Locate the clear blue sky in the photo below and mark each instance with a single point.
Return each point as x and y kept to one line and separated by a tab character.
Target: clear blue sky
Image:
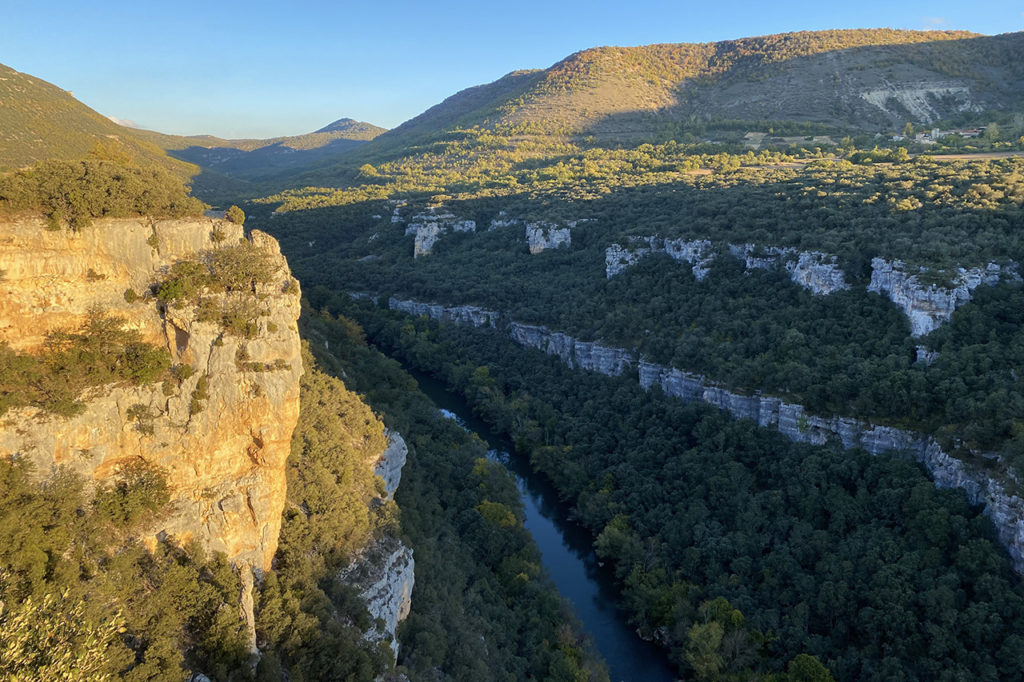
260	69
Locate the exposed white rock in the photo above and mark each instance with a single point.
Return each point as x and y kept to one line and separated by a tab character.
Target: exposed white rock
542	236
813	270
363	296
461	314
927	357
429	227
928	306
503	220
389	466
918	99
698	253
819	272
1004	508
384	575
586	355
618	258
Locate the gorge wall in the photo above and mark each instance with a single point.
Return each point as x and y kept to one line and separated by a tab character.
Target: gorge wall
225	461
1003	507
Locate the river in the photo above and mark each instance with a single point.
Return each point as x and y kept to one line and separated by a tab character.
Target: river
566	553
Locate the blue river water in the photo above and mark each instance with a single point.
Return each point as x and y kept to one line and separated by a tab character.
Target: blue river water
567	555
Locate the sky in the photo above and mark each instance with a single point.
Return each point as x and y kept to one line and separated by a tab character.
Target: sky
264	69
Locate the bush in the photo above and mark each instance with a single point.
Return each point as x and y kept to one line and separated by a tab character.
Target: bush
138	493
235	215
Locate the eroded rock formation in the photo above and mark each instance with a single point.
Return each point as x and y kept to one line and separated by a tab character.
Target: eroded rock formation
818	272
461	314
541	236
929	305
389	466
225	461
427	228
384	575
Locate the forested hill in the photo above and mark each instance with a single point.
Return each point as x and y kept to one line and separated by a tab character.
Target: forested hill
39	121
852	80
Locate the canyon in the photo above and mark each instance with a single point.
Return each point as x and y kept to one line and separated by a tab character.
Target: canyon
1004	507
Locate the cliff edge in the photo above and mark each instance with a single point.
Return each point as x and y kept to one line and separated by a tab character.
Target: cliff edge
220	422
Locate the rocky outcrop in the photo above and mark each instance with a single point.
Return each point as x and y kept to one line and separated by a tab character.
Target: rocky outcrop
541	236
427	228
929	305
396	213
920	99
460	314
503	220
384	575
698	253
818	272
389	466
586	355
225	461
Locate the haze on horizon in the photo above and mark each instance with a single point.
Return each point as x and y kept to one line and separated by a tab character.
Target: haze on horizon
250	70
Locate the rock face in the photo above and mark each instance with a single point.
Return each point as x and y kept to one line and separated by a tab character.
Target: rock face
920	98
813	270
389	466
928	306
384	575
818	272
541	236
502	220
429	227
577	354
225	463
461	314
1005	508
698	253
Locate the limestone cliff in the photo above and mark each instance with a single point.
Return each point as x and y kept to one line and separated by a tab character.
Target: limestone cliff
929	305
384	574
541	236
698	253
431	226
462	314
389	466
222	435
815	271
1001	504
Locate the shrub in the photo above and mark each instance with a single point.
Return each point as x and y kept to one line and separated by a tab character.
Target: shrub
235	215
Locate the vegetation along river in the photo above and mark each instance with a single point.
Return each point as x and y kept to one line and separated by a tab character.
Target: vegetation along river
566	553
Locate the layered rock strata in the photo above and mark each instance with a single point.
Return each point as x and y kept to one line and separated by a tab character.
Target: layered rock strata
224	455
1005	508
461	314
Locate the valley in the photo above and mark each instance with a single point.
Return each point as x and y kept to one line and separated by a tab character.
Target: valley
750	326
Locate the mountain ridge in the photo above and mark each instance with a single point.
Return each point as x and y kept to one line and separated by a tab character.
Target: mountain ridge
670	88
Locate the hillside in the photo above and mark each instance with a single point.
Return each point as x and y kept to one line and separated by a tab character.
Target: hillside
850	80
249	159
39	121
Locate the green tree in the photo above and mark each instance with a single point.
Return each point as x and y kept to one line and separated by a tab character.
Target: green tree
235	215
